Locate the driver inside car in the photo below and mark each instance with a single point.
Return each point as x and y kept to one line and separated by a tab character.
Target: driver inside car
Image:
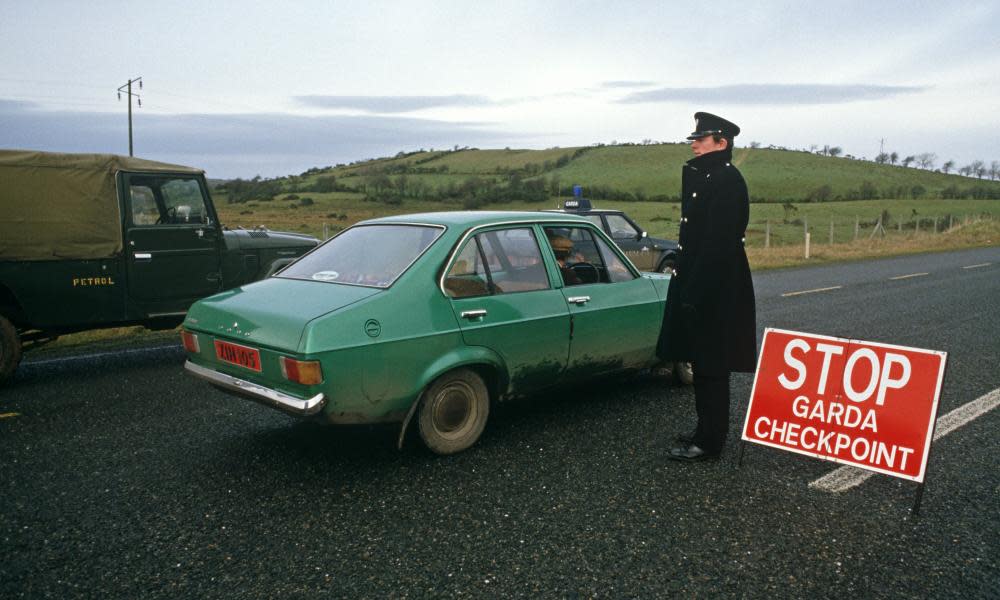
562	246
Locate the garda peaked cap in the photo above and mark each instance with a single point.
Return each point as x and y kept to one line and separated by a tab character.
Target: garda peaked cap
709	124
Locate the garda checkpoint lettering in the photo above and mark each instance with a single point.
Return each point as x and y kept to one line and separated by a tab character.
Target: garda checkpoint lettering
866	404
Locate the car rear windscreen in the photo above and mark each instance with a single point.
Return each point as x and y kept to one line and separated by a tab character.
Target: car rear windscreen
370	255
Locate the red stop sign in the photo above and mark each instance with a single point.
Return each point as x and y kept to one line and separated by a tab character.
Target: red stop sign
865	404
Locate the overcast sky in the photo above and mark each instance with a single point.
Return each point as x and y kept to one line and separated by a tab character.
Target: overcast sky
269	88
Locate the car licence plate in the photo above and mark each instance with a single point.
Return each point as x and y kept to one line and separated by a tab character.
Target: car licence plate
242	356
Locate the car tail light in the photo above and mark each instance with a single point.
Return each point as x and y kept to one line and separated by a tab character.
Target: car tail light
190	341
306	372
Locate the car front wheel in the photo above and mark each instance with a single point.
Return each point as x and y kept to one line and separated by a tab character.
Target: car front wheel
453	412
683	373
667	265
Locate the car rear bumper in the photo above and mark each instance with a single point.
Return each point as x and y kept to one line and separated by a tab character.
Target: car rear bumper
258	393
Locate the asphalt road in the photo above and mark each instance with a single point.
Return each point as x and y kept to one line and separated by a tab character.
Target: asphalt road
122	477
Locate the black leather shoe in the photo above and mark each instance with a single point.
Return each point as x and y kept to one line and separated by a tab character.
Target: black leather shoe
691	453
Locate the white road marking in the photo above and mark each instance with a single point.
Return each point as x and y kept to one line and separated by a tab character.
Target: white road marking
977	266
907	276
826	289
99	355
845	478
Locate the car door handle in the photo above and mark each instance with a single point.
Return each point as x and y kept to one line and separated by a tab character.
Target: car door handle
474	314
578	300
143	256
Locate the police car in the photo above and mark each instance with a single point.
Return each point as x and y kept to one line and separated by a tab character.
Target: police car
646	253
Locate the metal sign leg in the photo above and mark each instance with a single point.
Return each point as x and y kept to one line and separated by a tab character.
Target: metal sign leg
916	501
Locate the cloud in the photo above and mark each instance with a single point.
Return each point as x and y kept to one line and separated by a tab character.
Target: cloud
395	104
772	93
237	145
616	85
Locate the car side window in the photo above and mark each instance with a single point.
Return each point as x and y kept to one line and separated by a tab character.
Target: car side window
584	258
467	276
616	268
596	220
621	229
497	262
514	260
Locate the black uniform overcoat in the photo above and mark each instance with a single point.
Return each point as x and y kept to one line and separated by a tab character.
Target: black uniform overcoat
710	316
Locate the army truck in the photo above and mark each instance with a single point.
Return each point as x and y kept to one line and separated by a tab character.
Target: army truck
89	241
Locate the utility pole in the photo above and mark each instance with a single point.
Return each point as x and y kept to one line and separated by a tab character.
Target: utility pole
127	88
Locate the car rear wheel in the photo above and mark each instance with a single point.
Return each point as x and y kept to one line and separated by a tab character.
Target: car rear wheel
453	412
10	349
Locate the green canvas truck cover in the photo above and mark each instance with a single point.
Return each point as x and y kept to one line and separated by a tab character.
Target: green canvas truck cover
57	206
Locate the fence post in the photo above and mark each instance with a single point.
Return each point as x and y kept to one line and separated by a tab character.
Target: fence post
935	225
899	227
831	232
807	245
857	226
951	222
767	234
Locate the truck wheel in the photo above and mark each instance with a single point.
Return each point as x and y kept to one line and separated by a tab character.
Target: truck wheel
10	349
453	412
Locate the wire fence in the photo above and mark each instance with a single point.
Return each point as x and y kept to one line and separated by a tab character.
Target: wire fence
814	233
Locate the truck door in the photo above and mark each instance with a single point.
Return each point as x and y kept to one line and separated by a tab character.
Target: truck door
172	241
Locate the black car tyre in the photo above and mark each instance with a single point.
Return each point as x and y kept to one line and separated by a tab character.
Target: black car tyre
453	412
667	265
683	373
10	349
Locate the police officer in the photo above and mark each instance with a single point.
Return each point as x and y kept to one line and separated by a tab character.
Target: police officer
710	316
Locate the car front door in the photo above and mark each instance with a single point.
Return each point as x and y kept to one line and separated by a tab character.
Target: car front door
173	243
504	300
615	313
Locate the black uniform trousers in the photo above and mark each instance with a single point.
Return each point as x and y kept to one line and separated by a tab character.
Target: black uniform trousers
711	400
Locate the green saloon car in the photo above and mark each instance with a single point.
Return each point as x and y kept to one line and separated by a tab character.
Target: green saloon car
431	317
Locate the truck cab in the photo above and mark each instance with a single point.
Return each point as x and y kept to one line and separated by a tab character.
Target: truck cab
89	241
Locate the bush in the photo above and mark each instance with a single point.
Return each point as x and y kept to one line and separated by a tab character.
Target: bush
820	194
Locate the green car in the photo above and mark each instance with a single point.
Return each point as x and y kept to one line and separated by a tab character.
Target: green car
431	316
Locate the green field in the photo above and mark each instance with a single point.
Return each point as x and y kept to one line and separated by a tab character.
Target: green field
788	222
638	172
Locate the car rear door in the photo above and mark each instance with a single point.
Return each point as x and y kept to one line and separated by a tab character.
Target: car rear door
504	300
615	313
